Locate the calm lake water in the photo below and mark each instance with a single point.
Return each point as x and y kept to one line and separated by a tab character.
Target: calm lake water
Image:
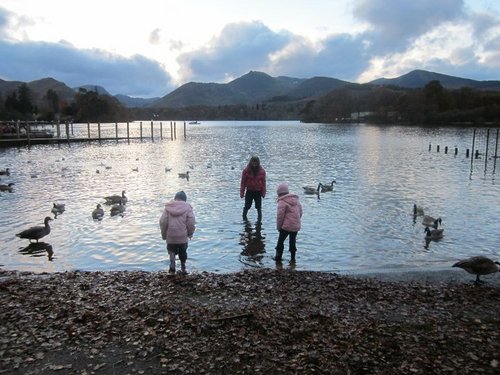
364	225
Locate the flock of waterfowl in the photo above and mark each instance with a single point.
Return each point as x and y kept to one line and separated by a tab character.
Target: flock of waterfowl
476	265
315	190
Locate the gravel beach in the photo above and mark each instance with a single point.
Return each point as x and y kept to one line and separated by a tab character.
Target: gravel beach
251	322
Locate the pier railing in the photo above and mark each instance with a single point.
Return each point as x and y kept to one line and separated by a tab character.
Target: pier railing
27	133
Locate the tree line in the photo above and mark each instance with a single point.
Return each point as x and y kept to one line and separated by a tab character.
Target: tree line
432	104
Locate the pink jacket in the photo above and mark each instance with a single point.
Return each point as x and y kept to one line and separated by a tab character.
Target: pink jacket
177	222
257	183
288	213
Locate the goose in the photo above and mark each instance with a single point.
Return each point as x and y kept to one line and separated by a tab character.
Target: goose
478	265
433	234
184	175
418	210
35	233
58	208
98	212
113	199
429	221
312	190
5	172
328	187
136	169
8	187
117	208
167	169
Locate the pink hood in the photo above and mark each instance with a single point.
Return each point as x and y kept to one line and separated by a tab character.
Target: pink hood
288	213
177	222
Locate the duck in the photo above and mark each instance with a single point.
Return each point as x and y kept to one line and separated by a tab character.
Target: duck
167	169
433	234
58	208
328	187
184	175
35	233
5	172
312	190
113	199
418	210
429	221
478	265
98	212
117	208
9	187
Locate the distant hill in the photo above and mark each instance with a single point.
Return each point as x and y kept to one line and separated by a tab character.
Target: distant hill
39	89
251	88
131	102
420	78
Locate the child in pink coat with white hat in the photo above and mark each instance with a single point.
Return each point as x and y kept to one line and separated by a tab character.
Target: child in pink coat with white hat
288	216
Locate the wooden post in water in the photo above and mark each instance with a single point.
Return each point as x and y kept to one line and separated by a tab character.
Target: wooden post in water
437	149
161	130
472	151
88	130
99	131
116	131
141	130
18	130
486	150
72	130
496	155
171	131
467	153
58	129
175	130
28	133
445	149
152	138
430	146
128	132
456	151
66	125
184	129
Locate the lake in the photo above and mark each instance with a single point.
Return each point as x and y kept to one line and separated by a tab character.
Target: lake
364	225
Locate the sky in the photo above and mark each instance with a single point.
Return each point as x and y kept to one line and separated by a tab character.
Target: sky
149	48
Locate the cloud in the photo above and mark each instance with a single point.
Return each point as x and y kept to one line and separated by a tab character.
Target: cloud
392	24
239	48
134	76
154	37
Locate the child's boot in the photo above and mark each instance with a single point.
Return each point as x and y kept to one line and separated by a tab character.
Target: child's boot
245	211
279	254
292	256
259	215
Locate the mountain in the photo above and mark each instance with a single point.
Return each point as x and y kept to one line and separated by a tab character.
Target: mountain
251	88
99	89
420	78
39	89
131	102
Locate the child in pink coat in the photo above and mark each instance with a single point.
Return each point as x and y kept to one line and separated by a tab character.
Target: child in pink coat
288	216
177	224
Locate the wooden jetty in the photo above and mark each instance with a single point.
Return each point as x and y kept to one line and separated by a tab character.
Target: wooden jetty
32	133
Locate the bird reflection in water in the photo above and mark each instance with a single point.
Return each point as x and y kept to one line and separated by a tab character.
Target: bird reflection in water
253	244
38	249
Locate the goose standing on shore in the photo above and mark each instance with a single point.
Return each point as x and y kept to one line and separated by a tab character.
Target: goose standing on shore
478	265
114	199
35	233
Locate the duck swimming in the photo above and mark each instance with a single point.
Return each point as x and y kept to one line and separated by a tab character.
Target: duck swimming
433	234
98	212
478	265
429	221
328	187
312	190
113	199
35	233
9	187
